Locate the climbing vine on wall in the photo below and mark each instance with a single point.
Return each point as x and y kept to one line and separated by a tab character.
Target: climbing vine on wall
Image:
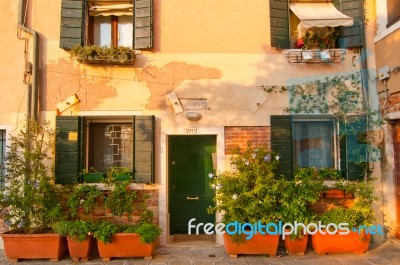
338	95
342	97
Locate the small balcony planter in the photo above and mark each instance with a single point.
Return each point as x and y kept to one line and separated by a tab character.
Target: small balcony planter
336	243
124	245
34	246
258	244
104	55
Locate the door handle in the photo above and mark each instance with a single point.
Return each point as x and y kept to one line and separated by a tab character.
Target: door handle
192	198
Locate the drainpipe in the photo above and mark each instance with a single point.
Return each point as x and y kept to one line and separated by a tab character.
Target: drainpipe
33	99
363	55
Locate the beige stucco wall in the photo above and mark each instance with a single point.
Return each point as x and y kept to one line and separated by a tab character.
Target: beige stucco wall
385	56
217	50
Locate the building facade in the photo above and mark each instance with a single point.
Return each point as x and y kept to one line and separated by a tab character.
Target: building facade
387	40
194	91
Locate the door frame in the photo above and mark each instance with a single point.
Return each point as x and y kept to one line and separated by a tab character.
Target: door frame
219	133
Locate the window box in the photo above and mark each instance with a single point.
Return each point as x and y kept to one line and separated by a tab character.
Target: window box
95	177
104	55
315	56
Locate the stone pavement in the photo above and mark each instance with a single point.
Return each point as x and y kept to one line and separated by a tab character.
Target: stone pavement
208	254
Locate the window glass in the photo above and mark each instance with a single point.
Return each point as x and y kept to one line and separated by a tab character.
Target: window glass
102	31
314	144
111	145
125	31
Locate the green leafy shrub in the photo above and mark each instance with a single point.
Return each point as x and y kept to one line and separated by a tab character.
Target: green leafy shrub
84	196
297	194
31	199
78	229
250	194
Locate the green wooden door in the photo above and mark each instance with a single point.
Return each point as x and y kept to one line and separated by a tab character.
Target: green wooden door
189	164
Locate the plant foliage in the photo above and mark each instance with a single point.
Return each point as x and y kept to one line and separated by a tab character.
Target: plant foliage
29	195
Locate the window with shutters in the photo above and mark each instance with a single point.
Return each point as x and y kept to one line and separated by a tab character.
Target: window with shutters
111	23
290	20
83	143
320	142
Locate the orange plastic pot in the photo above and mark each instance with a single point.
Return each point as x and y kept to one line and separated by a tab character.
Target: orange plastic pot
125	245
34	246
80	250
258	244
336	243
297	246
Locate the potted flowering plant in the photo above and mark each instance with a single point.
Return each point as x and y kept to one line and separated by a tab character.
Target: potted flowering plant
33	203
247	196
359	218
297	194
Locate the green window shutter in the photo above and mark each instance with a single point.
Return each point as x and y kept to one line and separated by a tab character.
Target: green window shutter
353	148
352	36
281	143
69	148
279	19
72	23
143	24
144	154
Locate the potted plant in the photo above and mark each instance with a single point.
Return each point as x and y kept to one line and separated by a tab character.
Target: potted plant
116	174
79	237
297	194
249	195
135	240
92	176
33	202
358	217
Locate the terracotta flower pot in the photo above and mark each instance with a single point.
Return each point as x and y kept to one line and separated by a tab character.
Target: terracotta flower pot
337	194
80	250
258	244
34	246
124	245
297	246
352	242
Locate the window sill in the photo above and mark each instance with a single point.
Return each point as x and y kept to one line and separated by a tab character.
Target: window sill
315	56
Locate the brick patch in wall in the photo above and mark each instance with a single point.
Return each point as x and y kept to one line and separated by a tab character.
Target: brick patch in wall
238	136
392	103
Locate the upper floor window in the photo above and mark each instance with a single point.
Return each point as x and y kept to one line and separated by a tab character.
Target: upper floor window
393	11
110	25
290	20
127	23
